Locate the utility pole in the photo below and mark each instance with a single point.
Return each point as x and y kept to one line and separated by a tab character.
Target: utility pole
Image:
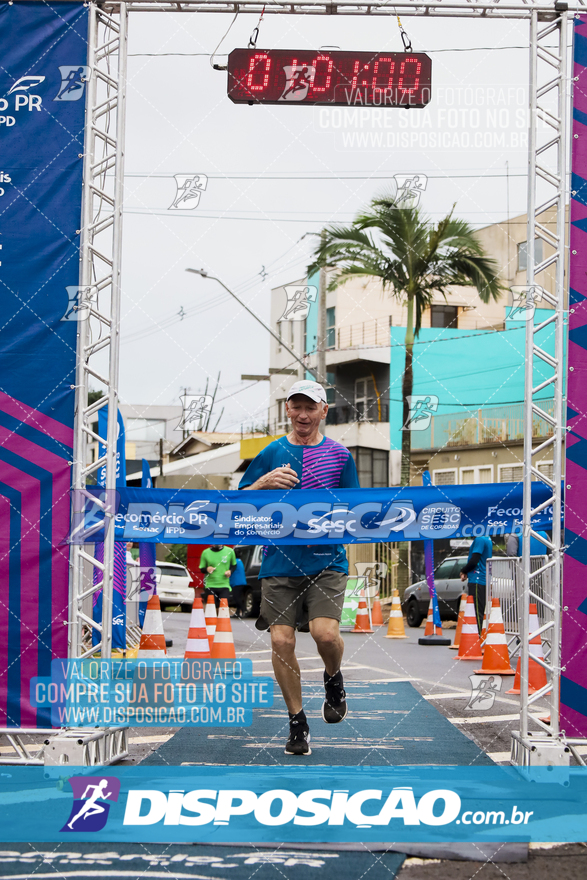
322	320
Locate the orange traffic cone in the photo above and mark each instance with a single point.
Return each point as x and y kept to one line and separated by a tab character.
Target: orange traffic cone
432	634
460	620
495	654
395	627
362	624
223	645
197	644
376	615
210	619
536	673
152	637
470	646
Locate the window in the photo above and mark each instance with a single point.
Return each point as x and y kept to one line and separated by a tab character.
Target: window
330	328
305	337
483	474
170	571
444	316
281	414
511	473
330	391
546	468
280	334
365	399
523	254
445	569
146	430
445	477
372	467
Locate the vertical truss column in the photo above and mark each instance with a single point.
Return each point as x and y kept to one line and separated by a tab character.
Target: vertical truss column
99	310
546	221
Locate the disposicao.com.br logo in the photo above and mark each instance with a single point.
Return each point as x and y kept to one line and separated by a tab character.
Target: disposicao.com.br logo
309	808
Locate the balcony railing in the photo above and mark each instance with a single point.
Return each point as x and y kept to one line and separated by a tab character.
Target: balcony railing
494	424
373	332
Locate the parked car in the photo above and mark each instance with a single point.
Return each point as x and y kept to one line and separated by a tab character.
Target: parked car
174	585
449	589
251	556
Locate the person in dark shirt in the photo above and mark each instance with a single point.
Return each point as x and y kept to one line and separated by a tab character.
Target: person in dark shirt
474	571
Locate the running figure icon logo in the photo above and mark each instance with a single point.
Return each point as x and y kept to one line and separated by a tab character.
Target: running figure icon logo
422	408
524	299
298	79
484	689
73	80
189	190
299	301
409	189
90	802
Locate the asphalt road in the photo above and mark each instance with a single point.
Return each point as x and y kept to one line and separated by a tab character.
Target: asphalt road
434	671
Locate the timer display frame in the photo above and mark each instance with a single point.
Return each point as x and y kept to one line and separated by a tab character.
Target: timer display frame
305	77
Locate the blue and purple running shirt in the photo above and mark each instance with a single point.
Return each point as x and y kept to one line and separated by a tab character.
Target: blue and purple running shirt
329	465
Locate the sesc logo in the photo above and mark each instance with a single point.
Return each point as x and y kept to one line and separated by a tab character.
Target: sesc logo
90	802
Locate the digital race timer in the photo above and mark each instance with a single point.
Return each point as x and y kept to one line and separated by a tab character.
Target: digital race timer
372	79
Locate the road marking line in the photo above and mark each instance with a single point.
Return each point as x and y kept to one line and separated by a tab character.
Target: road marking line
485	719
154	738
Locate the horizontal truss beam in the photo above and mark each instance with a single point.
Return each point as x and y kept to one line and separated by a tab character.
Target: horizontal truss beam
352	7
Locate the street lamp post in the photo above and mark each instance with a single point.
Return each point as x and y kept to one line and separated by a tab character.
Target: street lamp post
204	274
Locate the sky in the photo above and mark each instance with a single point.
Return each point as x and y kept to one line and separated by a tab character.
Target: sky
277	173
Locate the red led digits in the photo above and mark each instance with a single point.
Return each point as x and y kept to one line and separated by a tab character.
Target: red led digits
253	83
337	79
407	75
323	65
383	81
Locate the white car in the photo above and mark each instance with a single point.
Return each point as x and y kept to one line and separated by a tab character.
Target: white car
174	585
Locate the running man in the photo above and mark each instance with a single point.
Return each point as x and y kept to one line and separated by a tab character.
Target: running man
298	82
91	808
303	587
72	82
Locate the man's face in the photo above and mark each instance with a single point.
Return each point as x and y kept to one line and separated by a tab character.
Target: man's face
305	414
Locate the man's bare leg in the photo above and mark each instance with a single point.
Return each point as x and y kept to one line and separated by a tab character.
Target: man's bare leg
286	667
326	634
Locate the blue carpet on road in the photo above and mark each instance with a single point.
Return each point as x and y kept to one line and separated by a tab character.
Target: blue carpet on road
388	723
86	861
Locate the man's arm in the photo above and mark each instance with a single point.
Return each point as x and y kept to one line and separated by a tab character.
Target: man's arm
471	564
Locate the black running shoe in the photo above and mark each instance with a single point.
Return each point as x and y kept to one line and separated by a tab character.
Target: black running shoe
334	708
299	740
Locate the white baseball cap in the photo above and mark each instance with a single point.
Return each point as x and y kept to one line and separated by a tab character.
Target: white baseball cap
310	389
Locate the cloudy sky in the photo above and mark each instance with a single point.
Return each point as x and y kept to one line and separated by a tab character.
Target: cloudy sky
276	173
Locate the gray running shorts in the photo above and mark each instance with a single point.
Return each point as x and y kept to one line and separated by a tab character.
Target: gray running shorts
294	601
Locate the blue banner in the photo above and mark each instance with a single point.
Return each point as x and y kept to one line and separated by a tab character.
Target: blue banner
43	73
147	557
309	804
409	513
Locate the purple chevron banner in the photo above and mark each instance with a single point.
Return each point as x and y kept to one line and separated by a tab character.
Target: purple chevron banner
574	618
43	48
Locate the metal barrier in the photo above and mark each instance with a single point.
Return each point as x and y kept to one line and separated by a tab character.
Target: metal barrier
505	582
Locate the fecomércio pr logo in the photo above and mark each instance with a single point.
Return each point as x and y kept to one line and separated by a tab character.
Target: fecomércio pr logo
91	795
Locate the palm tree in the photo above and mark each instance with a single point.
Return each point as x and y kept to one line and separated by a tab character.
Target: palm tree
414	259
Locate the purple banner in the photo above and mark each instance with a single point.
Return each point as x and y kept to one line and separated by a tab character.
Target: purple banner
574	617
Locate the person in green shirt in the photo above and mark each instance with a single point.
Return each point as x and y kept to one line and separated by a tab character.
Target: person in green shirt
217	563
